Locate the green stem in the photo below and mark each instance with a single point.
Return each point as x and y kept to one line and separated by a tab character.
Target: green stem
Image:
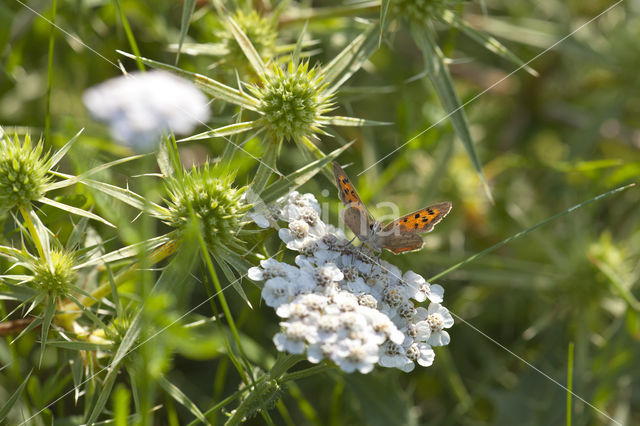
297	375
569	383
526	231
130	37
47	114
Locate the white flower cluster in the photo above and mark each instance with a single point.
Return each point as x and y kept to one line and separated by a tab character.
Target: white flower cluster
140	107
340	302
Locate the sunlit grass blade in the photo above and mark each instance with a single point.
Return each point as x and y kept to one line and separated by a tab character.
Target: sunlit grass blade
6	407
231	129
212	87
76	367
182	398
487	41
298	178
250	52
188	6
442	82
528	230
74	210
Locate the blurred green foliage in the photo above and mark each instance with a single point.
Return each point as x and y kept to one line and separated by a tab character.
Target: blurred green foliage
546	143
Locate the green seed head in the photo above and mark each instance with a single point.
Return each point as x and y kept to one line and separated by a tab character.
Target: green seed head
56	278
215	202
23	172
260	31
423	10
291	101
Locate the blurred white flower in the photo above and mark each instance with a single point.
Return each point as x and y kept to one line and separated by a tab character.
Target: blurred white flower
339	302
140	107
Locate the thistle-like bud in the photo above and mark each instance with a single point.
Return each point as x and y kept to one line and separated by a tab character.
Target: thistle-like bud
23	172
292	100
215	201
55	278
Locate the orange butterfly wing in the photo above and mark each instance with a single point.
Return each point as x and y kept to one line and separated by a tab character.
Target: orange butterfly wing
355	216
420	221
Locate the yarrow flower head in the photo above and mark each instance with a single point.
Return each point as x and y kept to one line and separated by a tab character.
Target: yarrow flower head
339	303
23	172
215	202
140	107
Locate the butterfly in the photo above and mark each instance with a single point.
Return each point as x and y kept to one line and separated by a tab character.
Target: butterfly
399	236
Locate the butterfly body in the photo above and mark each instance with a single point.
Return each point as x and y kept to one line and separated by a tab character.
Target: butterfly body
401	235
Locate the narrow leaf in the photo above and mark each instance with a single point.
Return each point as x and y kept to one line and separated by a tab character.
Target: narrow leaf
47	317
180	397
188	7
55	158
347	62
212	87
231	129
249	51
351	121
75	210
489	42
6	407
266	167
79	346
443	84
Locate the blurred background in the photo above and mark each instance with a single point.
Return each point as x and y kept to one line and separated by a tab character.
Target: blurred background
546	143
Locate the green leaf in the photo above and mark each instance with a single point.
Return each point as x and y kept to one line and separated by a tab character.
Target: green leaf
352	57
300	176
180	397
384	11
57	156
105	392
231	129
80	346
6	407
266	167
71	180
212	87
74	210
489	42
47	317
188	7
249	51
127	196
295	56
336	120
443	84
